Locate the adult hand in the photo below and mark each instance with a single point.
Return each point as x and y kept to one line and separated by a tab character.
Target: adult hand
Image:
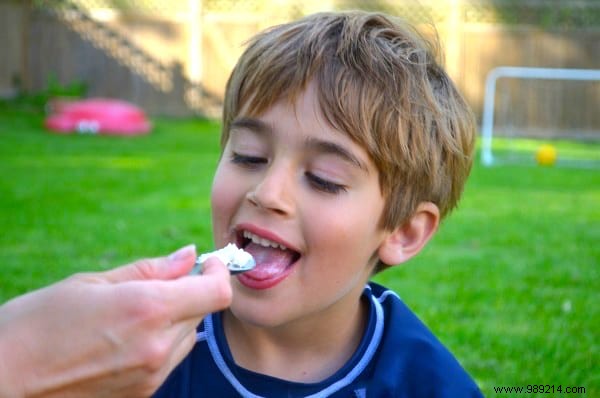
112	334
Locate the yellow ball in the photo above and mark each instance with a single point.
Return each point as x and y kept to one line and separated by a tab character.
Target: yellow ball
546	155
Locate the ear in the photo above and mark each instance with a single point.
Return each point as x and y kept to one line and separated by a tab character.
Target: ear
407	240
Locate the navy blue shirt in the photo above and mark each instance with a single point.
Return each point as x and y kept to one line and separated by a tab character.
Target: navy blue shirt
397	357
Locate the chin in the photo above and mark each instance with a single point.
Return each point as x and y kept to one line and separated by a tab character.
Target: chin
257	315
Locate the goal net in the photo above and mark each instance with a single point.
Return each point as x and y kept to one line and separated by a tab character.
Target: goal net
528	109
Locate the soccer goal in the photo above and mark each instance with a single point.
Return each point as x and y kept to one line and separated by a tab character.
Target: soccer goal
527	110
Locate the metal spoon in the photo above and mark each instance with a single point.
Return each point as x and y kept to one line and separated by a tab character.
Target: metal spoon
234	267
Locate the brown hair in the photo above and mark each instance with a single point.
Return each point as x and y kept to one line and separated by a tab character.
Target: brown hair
378	81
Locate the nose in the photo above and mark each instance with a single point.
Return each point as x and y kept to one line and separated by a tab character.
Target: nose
274	191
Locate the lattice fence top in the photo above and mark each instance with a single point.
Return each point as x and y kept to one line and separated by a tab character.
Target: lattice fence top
543	13
150	6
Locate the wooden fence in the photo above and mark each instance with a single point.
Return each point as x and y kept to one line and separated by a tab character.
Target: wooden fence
177	63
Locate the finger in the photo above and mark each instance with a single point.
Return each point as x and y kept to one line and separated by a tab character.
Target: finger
184	338
214	266
183	347
173	266
183	344
196	296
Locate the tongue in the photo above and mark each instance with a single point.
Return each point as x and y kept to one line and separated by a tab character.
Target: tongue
270	261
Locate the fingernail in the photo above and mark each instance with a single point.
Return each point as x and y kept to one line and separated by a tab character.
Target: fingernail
183	253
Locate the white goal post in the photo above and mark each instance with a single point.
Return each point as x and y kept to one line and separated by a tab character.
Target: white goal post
487	123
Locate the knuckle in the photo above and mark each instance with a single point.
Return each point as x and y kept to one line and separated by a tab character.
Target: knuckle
148	309
223	294
145	267
155	355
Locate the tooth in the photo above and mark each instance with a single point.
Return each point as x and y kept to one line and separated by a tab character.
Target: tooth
262	241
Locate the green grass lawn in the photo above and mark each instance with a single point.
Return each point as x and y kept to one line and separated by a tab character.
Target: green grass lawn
510	284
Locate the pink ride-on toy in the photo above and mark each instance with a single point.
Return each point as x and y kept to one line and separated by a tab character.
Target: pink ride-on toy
97	116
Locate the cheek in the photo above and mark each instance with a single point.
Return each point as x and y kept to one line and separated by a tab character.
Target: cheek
338	233
345	233
223	200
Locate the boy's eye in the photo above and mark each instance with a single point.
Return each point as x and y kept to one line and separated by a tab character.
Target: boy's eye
324	185
247	160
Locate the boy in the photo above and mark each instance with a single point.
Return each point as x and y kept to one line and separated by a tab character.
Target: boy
344	144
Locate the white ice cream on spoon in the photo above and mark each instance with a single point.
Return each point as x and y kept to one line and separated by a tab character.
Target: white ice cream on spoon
236	259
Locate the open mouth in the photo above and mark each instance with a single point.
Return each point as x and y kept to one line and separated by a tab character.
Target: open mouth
274	260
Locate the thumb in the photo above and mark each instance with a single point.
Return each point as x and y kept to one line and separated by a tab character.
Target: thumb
214	266
177	264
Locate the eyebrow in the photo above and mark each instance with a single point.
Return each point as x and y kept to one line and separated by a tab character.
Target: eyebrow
313	143
332	148
254	125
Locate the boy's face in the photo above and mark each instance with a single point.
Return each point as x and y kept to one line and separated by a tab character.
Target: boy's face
288	178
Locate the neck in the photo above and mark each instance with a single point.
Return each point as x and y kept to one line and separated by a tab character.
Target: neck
317	348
